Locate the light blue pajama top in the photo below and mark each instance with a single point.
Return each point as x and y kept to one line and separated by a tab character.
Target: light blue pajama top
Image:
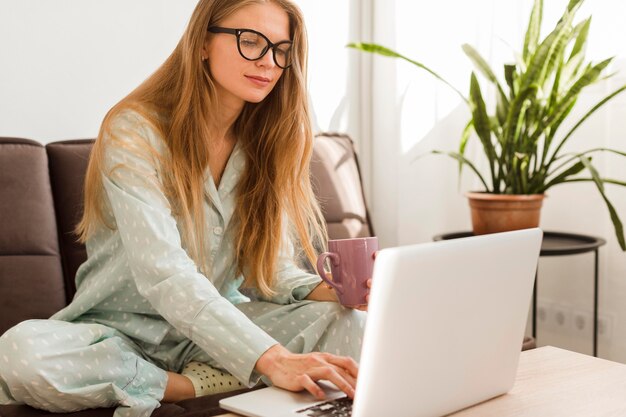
139	279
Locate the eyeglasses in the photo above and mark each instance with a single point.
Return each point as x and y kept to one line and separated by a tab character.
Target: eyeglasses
253	45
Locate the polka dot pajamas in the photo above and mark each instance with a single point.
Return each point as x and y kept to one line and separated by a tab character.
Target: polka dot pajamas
61	366
143	306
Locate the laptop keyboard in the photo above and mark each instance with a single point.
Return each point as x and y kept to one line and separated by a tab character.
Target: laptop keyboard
341	407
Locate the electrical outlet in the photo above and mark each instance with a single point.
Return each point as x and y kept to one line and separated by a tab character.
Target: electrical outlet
561	317
545	315
582	322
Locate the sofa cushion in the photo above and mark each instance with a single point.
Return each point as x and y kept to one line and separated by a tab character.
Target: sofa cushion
67	162
31	284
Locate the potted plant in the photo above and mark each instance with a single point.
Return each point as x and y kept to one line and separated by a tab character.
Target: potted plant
520	136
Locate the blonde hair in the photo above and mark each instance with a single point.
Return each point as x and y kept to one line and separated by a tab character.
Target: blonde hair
178	101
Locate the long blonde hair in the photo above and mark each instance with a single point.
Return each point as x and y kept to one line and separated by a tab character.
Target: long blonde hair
178	101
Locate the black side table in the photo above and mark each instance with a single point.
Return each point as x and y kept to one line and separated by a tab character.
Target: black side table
558	244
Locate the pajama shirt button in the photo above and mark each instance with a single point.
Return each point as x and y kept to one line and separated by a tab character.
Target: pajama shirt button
218	230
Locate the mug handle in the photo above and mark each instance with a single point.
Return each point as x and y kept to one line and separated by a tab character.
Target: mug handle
320	269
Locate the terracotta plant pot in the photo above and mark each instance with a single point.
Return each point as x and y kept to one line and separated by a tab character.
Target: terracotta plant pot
493	213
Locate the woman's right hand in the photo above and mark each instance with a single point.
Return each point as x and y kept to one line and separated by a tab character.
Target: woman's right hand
295	372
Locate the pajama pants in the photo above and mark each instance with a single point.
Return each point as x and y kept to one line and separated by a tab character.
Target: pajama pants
63	366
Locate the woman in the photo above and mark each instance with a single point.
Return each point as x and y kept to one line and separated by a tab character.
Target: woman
197	188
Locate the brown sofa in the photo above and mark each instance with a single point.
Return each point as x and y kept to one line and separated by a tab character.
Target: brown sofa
40	203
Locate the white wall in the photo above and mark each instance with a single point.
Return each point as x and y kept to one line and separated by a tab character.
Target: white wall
64	63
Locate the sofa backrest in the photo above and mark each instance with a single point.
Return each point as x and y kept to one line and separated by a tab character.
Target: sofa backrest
337	182
41	201
68	164
31	278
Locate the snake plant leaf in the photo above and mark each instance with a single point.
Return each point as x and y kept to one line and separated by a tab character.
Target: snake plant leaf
582	31
515	110
547	53
573	5
523	168
572	170
592	170
549	137
496	129
572	8
604	180
601	103
557	53
480	63
509	76
572	34
502	103
469	127
606	77
589	77
574	156
609	150
556	83
571	71
532	33
483	67
617	223
481	118
613	181
384	51
502	108
535	112
464	160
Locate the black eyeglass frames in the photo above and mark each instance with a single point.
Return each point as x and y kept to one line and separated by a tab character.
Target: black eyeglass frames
253	45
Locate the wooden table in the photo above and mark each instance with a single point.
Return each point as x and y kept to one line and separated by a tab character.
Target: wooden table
555	382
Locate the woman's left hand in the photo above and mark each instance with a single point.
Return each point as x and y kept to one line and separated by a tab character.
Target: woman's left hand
367	297
324	292
369	286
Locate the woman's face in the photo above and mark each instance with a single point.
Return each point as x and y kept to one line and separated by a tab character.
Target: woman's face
237	79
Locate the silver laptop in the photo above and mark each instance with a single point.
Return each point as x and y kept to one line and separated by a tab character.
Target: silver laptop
444	331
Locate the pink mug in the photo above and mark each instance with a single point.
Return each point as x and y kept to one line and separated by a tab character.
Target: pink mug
351	264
